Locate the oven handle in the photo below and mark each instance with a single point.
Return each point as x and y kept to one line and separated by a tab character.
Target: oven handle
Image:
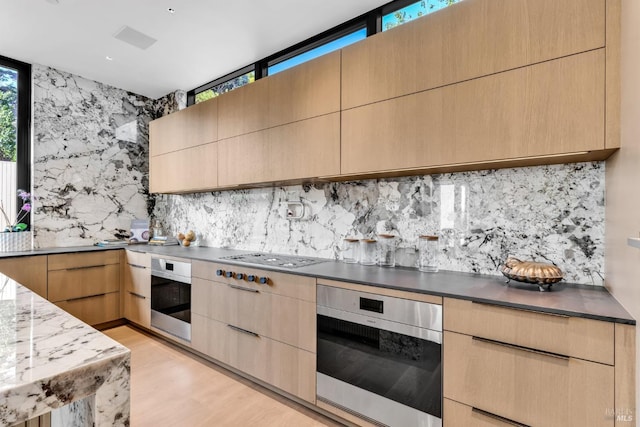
387	325
174	277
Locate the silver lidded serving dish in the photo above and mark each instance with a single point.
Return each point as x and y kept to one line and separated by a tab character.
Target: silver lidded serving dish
537	273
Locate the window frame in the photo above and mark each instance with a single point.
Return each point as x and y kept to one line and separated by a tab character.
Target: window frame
371	20
23	128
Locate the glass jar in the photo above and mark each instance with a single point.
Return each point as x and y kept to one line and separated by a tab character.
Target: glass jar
368	252
350	251
428	248
387	250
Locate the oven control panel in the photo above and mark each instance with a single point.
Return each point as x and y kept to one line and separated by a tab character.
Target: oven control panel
263	280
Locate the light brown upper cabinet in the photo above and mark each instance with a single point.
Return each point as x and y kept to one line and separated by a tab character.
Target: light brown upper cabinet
183	151
308	90
191	169
243	110
304	149
190	127
556	107
467	40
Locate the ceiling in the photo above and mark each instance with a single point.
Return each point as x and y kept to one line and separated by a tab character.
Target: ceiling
201	41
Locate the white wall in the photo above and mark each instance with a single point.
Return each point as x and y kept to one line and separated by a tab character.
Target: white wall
622	263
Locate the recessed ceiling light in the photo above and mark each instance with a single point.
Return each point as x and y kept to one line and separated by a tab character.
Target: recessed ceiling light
171	10
108	58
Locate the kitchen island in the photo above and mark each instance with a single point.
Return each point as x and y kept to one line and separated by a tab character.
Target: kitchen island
51	362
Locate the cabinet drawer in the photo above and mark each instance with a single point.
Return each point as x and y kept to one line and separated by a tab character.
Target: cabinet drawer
571	336
276	363
94	310
86	259
458	415
528	387
137	308
138	280
290	285
281	318
139	259
83	282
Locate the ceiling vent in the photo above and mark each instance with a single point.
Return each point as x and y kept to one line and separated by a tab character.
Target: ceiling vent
134	38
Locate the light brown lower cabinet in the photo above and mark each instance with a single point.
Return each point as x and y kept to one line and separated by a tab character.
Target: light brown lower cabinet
86	285
137	288
281	318
93	310
265	330
284	366
511	366
29	271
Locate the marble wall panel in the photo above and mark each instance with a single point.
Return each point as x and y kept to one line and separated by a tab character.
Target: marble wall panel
90	159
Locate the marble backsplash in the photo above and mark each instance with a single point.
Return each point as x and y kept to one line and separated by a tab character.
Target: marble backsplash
90	158
547	213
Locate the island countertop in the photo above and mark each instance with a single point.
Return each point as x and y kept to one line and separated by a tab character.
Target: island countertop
50	360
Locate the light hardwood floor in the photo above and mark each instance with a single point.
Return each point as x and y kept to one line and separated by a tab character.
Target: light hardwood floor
171	387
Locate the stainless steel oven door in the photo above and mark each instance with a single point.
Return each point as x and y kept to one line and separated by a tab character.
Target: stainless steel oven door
171	297
385	371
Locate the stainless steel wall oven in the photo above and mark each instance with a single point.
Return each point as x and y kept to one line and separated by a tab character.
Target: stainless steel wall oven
171	297
380	357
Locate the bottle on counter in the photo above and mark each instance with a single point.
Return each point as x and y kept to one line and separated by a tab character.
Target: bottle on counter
428	249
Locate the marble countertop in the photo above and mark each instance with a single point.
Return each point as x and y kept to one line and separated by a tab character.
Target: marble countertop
49	359
593	302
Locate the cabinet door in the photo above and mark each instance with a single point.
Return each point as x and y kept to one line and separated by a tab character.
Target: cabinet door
30	272
190	127
243	110
465	41
308	90
186	170
83	259
95	309
286	367
572	336
79	282
137	308
529	387
556	107
288	320
300	150
137	288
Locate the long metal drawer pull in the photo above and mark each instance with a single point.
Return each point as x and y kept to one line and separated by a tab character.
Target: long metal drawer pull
518	347
137	295
244	331
88	296
240	288
498	417
84	267
137	266
564	316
